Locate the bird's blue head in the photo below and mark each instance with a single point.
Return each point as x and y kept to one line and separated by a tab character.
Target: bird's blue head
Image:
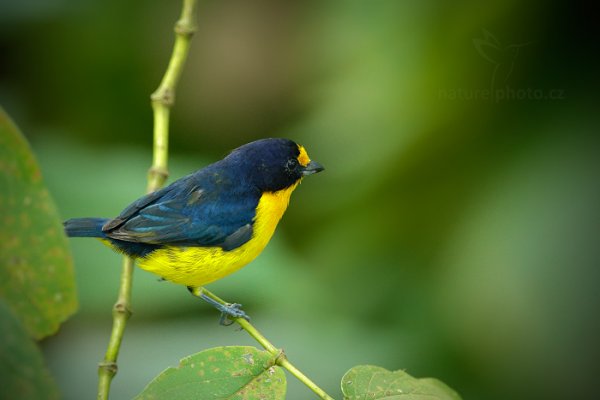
273	164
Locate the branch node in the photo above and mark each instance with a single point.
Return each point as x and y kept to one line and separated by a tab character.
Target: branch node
162	173
109	367
164	96
185	29
280	357
122	309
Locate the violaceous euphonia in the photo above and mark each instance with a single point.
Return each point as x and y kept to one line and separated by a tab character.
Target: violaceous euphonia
210	223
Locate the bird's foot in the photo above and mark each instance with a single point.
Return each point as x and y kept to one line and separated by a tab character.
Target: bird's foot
229	312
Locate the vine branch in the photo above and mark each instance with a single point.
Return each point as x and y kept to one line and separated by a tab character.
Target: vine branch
162	100
281	359
107	368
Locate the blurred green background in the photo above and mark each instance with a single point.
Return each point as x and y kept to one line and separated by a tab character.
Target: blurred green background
455	232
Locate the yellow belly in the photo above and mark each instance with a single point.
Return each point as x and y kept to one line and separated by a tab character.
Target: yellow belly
197	266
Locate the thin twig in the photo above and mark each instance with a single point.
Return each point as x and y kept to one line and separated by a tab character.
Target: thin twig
164	97
281	359
107	369
162	100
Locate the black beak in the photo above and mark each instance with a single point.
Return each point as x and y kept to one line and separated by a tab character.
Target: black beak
312	168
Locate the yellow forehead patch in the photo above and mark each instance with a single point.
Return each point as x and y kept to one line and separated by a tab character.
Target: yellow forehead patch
303	158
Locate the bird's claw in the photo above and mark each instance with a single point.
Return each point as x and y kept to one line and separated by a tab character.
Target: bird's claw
231	312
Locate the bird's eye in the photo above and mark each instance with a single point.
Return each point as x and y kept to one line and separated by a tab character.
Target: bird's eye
291	164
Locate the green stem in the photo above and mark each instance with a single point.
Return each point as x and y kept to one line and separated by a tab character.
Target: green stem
162	100
163	97
281	359
107	369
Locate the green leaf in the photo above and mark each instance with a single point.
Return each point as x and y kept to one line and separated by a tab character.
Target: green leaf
36	269
236	372
22	371
368	382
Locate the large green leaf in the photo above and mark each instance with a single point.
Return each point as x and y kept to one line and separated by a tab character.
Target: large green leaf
236	372
368	382
36	269
22	371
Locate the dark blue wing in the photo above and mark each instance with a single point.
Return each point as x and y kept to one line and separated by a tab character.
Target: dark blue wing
198	210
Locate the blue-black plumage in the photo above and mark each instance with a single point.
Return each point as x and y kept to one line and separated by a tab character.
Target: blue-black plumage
213	207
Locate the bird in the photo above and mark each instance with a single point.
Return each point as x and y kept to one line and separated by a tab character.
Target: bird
210	223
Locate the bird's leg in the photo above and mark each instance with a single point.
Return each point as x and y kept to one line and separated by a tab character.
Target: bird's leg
229	312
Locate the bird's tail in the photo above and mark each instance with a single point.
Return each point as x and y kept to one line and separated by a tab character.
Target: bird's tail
85	227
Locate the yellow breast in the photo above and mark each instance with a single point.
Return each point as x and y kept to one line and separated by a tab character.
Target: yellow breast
197	266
